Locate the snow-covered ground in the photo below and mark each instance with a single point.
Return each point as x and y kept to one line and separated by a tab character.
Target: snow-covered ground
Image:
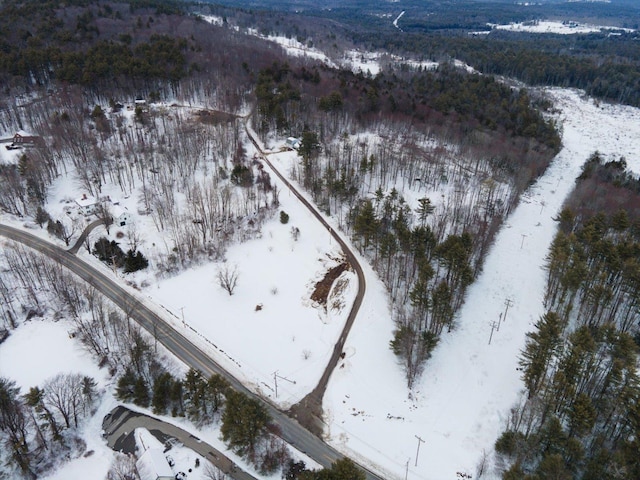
53	344
562	28
357	61
269	324
459	406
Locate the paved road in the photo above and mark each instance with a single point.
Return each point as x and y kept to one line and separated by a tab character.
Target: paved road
312	402
292	432
121	422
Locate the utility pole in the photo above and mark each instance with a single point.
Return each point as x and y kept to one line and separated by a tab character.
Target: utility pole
524	235
275	380
499	321
418	452
493	327
184	324
113	263
406	473
508	303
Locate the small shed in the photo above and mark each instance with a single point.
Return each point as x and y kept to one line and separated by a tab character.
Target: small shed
292	143
152	465
87	204
121	215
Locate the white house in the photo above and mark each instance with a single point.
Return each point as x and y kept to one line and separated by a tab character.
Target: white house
87	204
121	215
152	465
292	143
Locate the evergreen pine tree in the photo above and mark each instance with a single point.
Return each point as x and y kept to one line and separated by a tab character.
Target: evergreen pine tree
161	393
125	386
541	346
140	392
244	423
582	415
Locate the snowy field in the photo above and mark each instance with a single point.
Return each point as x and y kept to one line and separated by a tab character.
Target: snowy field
52	342
460	405
557	27
269	324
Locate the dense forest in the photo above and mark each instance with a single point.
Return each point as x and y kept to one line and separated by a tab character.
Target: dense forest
580	417
604	65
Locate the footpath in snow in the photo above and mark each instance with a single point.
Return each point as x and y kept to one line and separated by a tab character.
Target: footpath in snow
459	406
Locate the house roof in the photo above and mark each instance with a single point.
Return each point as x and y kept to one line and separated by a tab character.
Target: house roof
86	201
118	210
152	465
22	133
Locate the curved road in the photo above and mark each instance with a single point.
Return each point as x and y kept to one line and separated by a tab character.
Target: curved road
120	423
309	410
292	432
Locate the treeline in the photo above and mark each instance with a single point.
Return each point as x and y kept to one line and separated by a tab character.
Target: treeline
473	102
605	67
615	79
161	58
132	46
92	43
488	102
445	18
606	186
581	416
40	426
431	275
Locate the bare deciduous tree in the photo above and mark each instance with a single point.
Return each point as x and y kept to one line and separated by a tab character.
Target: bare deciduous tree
64	393
103	211
228	278
211	472
122	468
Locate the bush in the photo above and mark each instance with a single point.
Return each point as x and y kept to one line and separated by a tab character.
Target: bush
242	176
508	442
109	252
135	261
284	217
